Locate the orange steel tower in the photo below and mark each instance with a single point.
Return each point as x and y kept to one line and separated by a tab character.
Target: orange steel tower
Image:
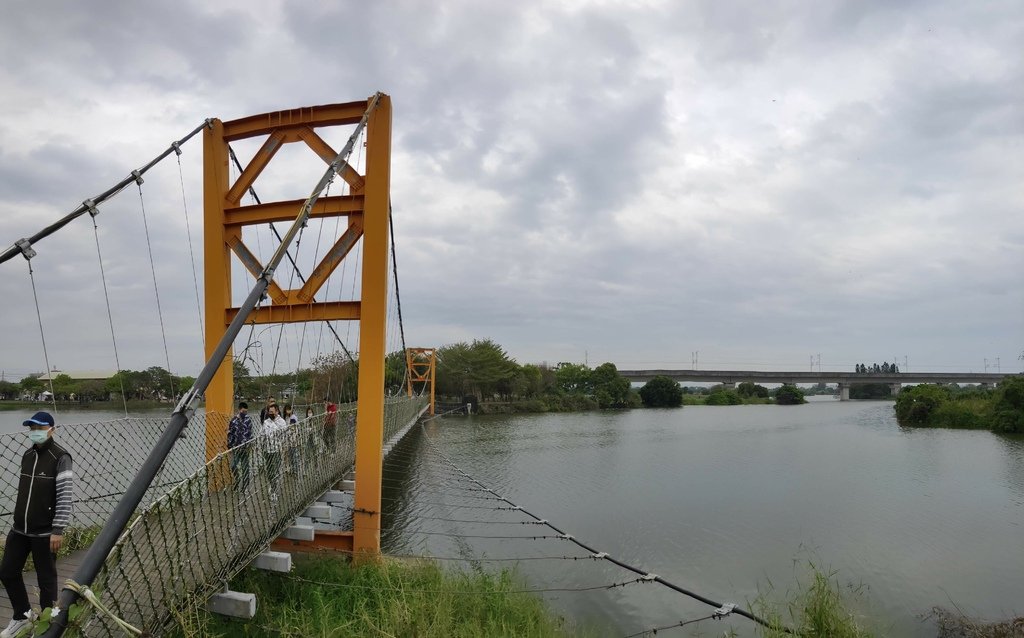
421	364
367	211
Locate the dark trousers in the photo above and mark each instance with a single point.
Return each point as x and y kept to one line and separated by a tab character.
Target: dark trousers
240	467
15	554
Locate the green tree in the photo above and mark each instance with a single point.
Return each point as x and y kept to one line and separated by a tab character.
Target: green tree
573	378
750	389
93	390
789	395
63	387
915	405
721	396
530	383
32	385
611	390
1008	412
481	368
9	390
661	392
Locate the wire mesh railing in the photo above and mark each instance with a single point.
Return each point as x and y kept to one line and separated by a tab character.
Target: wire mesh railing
107	455
195	536
197	518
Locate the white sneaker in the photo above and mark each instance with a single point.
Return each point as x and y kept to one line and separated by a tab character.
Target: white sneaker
16	626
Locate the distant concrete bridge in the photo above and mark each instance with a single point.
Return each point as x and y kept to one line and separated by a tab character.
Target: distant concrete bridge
729	378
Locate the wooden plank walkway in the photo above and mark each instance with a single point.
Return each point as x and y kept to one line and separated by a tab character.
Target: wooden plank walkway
66	568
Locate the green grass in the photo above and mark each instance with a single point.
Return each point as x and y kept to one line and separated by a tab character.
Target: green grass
379	599
821	608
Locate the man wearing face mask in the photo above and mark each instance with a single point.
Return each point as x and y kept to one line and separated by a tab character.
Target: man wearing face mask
41	513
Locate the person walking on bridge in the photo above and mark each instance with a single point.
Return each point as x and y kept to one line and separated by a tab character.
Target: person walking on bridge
240	431
273	429
41	513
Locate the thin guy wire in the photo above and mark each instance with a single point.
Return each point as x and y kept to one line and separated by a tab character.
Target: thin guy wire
42	335
192	254
156	289
537	590
681	623
110	316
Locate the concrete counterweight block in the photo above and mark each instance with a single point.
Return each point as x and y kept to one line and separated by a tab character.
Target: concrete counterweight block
274	562
233	603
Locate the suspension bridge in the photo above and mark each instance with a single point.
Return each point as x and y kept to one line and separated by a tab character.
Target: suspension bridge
175	512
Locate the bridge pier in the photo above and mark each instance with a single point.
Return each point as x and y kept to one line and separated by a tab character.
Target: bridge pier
728	385
895	388
844	391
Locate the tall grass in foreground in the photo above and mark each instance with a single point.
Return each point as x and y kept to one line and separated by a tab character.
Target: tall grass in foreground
817	610
384	599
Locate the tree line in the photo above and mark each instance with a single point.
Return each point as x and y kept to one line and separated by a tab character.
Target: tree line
152	384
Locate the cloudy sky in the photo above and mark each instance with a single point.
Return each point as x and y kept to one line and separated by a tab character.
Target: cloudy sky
759	182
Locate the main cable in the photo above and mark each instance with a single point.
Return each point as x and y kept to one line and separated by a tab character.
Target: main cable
102	197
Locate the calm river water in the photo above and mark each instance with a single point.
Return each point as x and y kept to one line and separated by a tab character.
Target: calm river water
730	501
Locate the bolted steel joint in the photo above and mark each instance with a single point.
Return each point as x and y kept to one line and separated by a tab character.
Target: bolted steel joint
25	246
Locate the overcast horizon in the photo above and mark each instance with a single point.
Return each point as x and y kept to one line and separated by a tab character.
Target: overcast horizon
740	185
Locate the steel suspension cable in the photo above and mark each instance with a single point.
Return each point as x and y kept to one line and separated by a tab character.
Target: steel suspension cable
191	252
156	290
29	253
394	269
110	316
102	197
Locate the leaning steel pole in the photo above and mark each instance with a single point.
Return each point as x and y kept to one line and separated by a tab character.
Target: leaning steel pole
115	525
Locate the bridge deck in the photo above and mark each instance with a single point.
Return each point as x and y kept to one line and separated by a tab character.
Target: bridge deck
66	567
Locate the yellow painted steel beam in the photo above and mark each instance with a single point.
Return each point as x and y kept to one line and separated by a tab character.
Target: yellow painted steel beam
265	123
329	263
253	265
327	154
268	212
297	313
255	166
372	333
217	275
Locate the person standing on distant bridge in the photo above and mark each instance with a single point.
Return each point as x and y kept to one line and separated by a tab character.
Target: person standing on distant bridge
240	431
274	428
41	513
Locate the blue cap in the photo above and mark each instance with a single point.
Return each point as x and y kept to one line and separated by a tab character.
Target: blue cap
40	418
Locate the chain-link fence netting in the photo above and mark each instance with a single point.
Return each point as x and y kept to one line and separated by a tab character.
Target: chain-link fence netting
106	458
195	536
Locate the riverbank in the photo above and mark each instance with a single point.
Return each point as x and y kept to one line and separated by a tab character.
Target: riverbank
999	410
326	596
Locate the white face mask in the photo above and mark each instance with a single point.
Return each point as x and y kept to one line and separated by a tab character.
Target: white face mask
38	436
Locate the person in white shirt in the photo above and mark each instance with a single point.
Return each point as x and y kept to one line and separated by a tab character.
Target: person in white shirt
273	429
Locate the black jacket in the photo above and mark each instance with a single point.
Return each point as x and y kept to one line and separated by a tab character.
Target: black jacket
36	512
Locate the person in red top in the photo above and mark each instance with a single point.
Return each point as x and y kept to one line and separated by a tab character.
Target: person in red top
330	421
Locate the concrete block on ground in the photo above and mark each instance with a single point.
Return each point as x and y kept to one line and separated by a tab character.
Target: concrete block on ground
335	496
347	486
318	510
273	561
233	603
299	533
